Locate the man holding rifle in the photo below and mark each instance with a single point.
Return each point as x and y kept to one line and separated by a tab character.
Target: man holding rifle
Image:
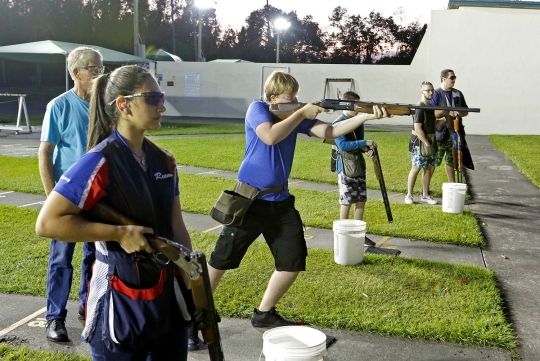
448	96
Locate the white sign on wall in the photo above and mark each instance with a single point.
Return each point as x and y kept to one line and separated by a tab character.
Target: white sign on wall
192	86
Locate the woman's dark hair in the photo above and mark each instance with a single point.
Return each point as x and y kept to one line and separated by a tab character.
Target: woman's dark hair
106	88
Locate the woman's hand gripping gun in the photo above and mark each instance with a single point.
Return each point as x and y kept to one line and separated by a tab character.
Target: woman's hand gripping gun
193	263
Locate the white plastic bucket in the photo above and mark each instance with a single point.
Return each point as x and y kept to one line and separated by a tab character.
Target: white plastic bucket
294	343
453	199
349	237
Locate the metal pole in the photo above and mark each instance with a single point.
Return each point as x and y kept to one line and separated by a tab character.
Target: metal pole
277	47
67	72
172	26
199	47
267	23
136	27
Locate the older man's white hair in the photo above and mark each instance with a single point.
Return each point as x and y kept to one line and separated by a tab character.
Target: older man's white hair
80	57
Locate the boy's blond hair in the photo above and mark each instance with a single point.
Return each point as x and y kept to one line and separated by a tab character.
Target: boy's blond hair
350	95
278	83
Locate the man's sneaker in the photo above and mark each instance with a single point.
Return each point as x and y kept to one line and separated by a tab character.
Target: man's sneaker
271	319
429	199
193	338
56	330
409	199
81	316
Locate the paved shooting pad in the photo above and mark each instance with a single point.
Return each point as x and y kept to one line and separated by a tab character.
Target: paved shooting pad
22	324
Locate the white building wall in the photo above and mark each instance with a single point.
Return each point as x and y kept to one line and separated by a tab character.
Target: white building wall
226	90
494	52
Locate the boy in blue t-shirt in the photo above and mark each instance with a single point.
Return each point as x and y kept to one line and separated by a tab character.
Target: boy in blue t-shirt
267	163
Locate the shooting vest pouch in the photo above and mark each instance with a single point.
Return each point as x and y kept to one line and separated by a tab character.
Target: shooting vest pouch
232	206
429	150
353	163
442	134
333	159
425	150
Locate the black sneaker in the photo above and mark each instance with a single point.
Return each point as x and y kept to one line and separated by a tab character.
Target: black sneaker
193	339
56	330
81	315
271	319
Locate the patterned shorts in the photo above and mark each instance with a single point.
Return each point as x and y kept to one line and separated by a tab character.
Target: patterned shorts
445	150
351	190
422	162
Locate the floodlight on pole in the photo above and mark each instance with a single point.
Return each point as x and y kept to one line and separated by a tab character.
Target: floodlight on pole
280	24
201	4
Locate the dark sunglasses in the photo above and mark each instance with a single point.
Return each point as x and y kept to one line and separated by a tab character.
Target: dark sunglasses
453	77
154	99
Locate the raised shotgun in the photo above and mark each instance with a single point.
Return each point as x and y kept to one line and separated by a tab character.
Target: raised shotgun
284	110
193	263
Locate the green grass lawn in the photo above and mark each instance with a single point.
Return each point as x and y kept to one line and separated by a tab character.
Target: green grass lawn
23	175
406	297
167	128
179	128
11	353
35	120
318	209
312	159
523	151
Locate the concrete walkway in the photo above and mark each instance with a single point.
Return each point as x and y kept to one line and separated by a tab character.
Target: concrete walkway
507	205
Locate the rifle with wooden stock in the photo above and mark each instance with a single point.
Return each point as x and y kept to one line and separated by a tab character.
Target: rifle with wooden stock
284	110
193	263
458	157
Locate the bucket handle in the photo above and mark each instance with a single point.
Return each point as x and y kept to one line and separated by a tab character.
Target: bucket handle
261	355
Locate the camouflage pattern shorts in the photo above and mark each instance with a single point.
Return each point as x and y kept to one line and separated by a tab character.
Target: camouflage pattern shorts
422	162
445	151
351	190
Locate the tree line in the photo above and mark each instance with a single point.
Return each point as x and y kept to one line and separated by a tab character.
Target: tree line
350	39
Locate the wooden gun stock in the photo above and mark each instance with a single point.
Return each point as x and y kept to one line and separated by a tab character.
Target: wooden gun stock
202	296
284	110
458	161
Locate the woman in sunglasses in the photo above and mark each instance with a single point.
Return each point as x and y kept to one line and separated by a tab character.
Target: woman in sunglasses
134	308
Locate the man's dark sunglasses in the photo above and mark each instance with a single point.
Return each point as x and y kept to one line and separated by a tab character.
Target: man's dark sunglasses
154	99
453	77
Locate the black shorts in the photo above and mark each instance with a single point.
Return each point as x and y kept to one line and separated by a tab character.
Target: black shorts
281	226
